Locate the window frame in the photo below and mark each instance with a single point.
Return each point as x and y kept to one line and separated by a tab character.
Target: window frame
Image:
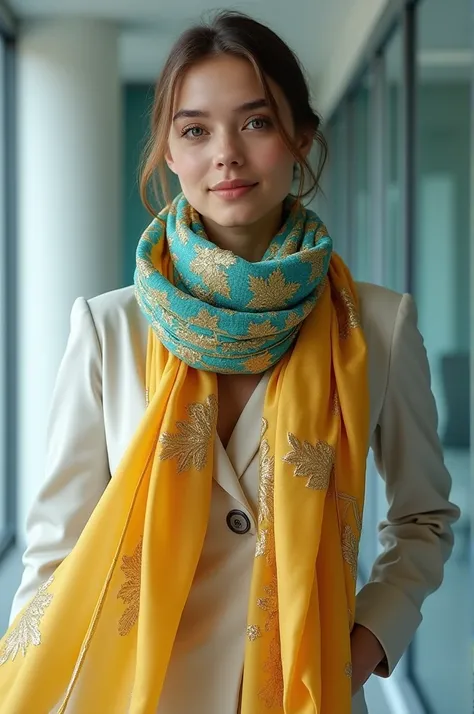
8	301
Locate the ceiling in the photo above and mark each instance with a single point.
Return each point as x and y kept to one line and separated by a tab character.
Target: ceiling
315	31
149	28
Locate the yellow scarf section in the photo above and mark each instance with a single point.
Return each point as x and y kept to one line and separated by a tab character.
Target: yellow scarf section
98	636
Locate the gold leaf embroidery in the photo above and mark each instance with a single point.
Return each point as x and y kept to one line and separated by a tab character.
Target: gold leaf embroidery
270	293
272	692
160	296
289	247
182	225
145	268
241	347
347	314
202	293
27	631
350	549
313	462
198	339
273	250
263	545
335	406
206	320
348	670
211	265
316	259
190	445
262	329
293	320
259	363
187	354
167	318
351	503
349	538
253	632
266	484
130	590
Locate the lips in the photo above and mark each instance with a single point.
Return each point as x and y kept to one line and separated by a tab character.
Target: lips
232	185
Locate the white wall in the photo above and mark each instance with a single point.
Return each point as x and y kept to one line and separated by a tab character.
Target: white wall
346	49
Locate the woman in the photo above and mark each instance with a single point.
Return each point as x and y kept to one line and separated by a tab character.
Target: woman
233	395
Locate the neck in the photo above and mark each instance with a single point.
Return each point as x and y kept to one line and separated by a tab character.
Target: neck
247	242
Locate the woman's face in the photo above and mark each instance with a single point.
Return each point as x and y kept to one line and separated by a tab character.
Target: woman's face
232	163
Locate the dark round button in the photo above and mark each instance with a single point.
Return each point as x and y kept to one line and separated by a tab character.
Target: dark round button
238	522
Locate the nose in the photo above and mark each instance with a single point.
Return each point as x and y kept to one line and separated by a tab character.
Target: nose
228	152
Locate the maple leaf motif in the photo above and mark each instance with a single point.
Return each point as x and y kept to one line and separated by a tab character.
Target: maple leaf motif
258	364
253	632
273	690
313	462
261	329
27	630
271	293
130	590
211	265
205	319
347	313
266	484
269	604
188	355
350	549
293	320
161	298
190	445
316	258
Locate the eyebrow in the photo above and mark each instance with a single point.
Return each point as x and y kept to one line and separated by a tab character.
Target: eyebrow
196	113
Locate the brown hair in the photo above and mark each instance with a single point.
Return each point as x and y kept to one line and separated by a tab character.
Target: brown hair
237	34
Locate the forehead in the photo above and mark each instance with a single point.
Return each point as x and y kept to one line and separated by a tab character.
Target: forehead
219	83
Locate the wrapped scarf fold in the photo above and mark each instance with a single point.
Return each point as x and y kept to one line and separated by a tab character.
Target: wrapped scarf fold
99	634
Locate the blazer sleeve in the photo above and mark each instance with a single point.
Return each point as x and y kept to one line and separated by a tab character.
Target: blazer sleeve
77	470
416	535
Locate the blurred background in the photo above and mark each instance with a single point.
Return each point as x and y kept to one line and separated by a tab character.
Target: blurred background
393	81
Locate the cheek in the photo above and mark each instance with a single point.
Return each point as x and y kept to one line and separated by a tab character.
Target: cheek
187	162
274	156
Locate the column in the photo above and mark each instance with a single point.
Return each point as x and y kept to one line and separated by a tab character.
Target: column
69	191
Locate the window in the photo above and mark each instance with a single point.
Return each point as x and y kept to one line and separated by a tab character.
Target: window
441	289
402	193
3	313
360	163
394	261
7	291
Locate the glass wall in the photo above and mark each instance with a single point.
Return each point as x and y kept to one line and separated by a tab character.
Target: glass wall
360	233
411	210
441	289
7	291
394	258
3	313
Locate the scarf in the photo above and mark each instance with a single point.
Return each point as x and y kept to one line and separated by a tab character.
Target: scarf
99	634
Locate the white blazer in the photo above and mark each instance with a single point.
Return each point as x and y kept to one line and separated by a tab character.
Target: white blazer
98	402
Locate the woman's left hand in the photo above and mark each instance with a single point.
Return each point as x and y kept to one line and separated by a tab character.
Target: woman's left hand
367	653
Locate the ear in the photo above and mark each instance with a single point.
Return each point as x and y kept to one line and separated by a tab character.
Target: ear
305	142
169	160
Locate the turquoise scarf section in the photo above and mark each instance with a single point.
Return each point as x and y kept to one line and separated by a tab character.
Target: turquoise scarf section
218	312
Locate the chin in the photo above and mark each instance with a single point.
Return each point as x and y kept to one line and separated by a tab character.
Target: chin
237	214
234	219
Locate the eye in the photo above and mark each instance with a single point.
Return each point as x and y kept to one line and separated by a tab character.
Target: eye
259	123
193	132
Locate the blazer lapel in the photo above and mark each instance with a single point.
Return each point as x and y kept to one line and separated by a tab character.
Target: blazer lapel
231	463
